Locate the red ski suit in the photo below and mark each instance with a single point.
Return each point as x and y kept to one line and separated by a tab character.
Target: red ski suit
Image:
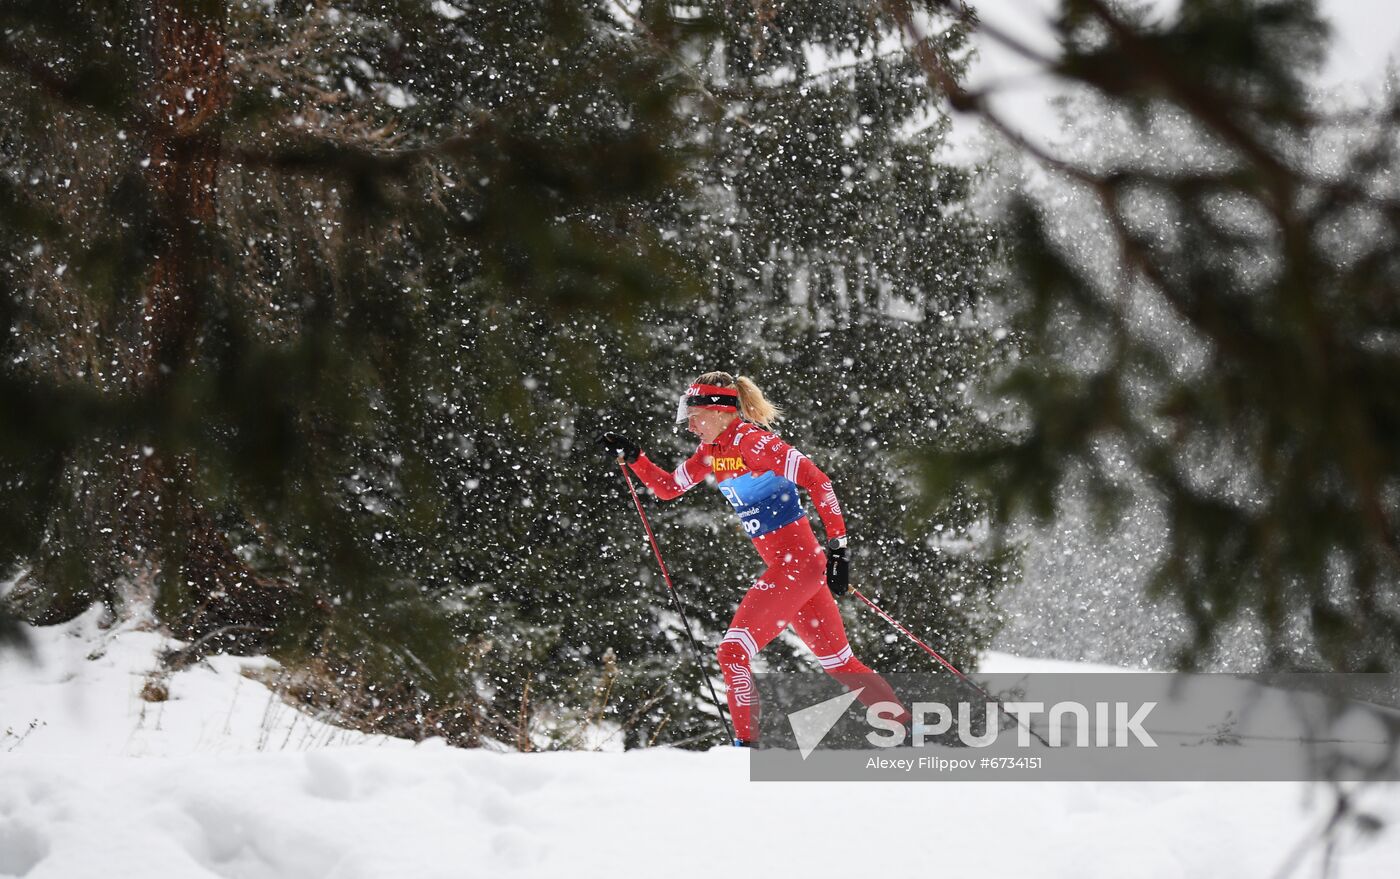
759	474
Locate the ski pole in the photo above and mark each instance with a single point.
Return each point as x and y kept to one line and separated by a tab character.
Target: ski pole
676	599
946	664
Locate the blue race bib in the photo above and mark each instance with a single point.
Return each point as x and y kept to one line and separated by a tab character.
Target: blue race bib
764	501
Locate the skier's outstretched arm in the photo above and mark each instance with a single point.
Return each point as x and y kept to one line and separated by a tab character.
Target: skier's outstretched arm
665	484
669	485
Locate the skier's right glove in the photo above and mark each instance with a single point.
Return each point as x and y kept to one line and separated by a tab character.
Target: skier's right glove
615	445
838	566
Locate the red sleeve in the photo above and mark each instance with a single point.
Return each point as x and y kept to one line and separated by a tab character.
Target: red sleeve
763	450
669	486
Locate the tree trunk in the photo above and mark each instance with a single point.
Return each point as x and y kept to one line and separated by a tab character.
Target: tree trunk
189	93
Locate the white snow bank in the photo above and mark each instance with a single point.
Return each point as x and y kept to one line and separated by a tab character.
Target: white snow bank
437	812
84	696
222	780
1006	663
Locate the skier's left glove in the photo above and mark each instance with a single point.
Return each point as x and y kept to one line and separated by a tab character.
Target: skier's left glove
838	566
615	445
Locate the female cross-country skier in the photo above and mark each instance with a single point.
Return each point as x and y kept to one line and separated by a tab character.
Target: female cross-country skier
759	474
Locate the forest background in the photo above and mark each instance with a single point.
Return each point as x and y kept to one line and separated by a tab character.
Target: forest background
312	311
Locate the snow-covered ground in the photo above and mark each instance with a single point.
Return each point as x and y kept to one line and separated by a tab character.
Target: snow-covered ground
223	780
84	695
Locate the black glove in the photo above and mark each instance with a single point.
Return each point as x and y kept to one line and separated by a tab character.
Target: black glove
838	567
615	445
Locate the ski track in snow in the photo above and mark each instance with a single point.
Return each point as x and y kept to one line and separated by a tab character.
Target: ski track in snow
214	784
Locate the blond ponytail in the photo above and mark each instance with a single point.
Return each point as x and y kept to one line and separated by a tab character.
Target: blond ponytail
752	404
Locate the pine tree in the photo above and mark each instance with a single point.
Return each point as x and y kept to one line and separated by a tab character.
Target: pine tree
231	235
840	266
400	264
1237	357
846	274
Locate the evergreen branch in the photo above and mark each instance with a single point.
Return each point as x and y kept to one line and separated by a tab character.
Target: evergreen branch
1202	104
941	79
40	75
352	160
759	88
94	92
681	64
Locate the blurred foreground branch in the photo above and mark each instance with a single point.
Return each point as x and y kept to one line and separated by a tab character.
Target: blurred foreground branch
1262	404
